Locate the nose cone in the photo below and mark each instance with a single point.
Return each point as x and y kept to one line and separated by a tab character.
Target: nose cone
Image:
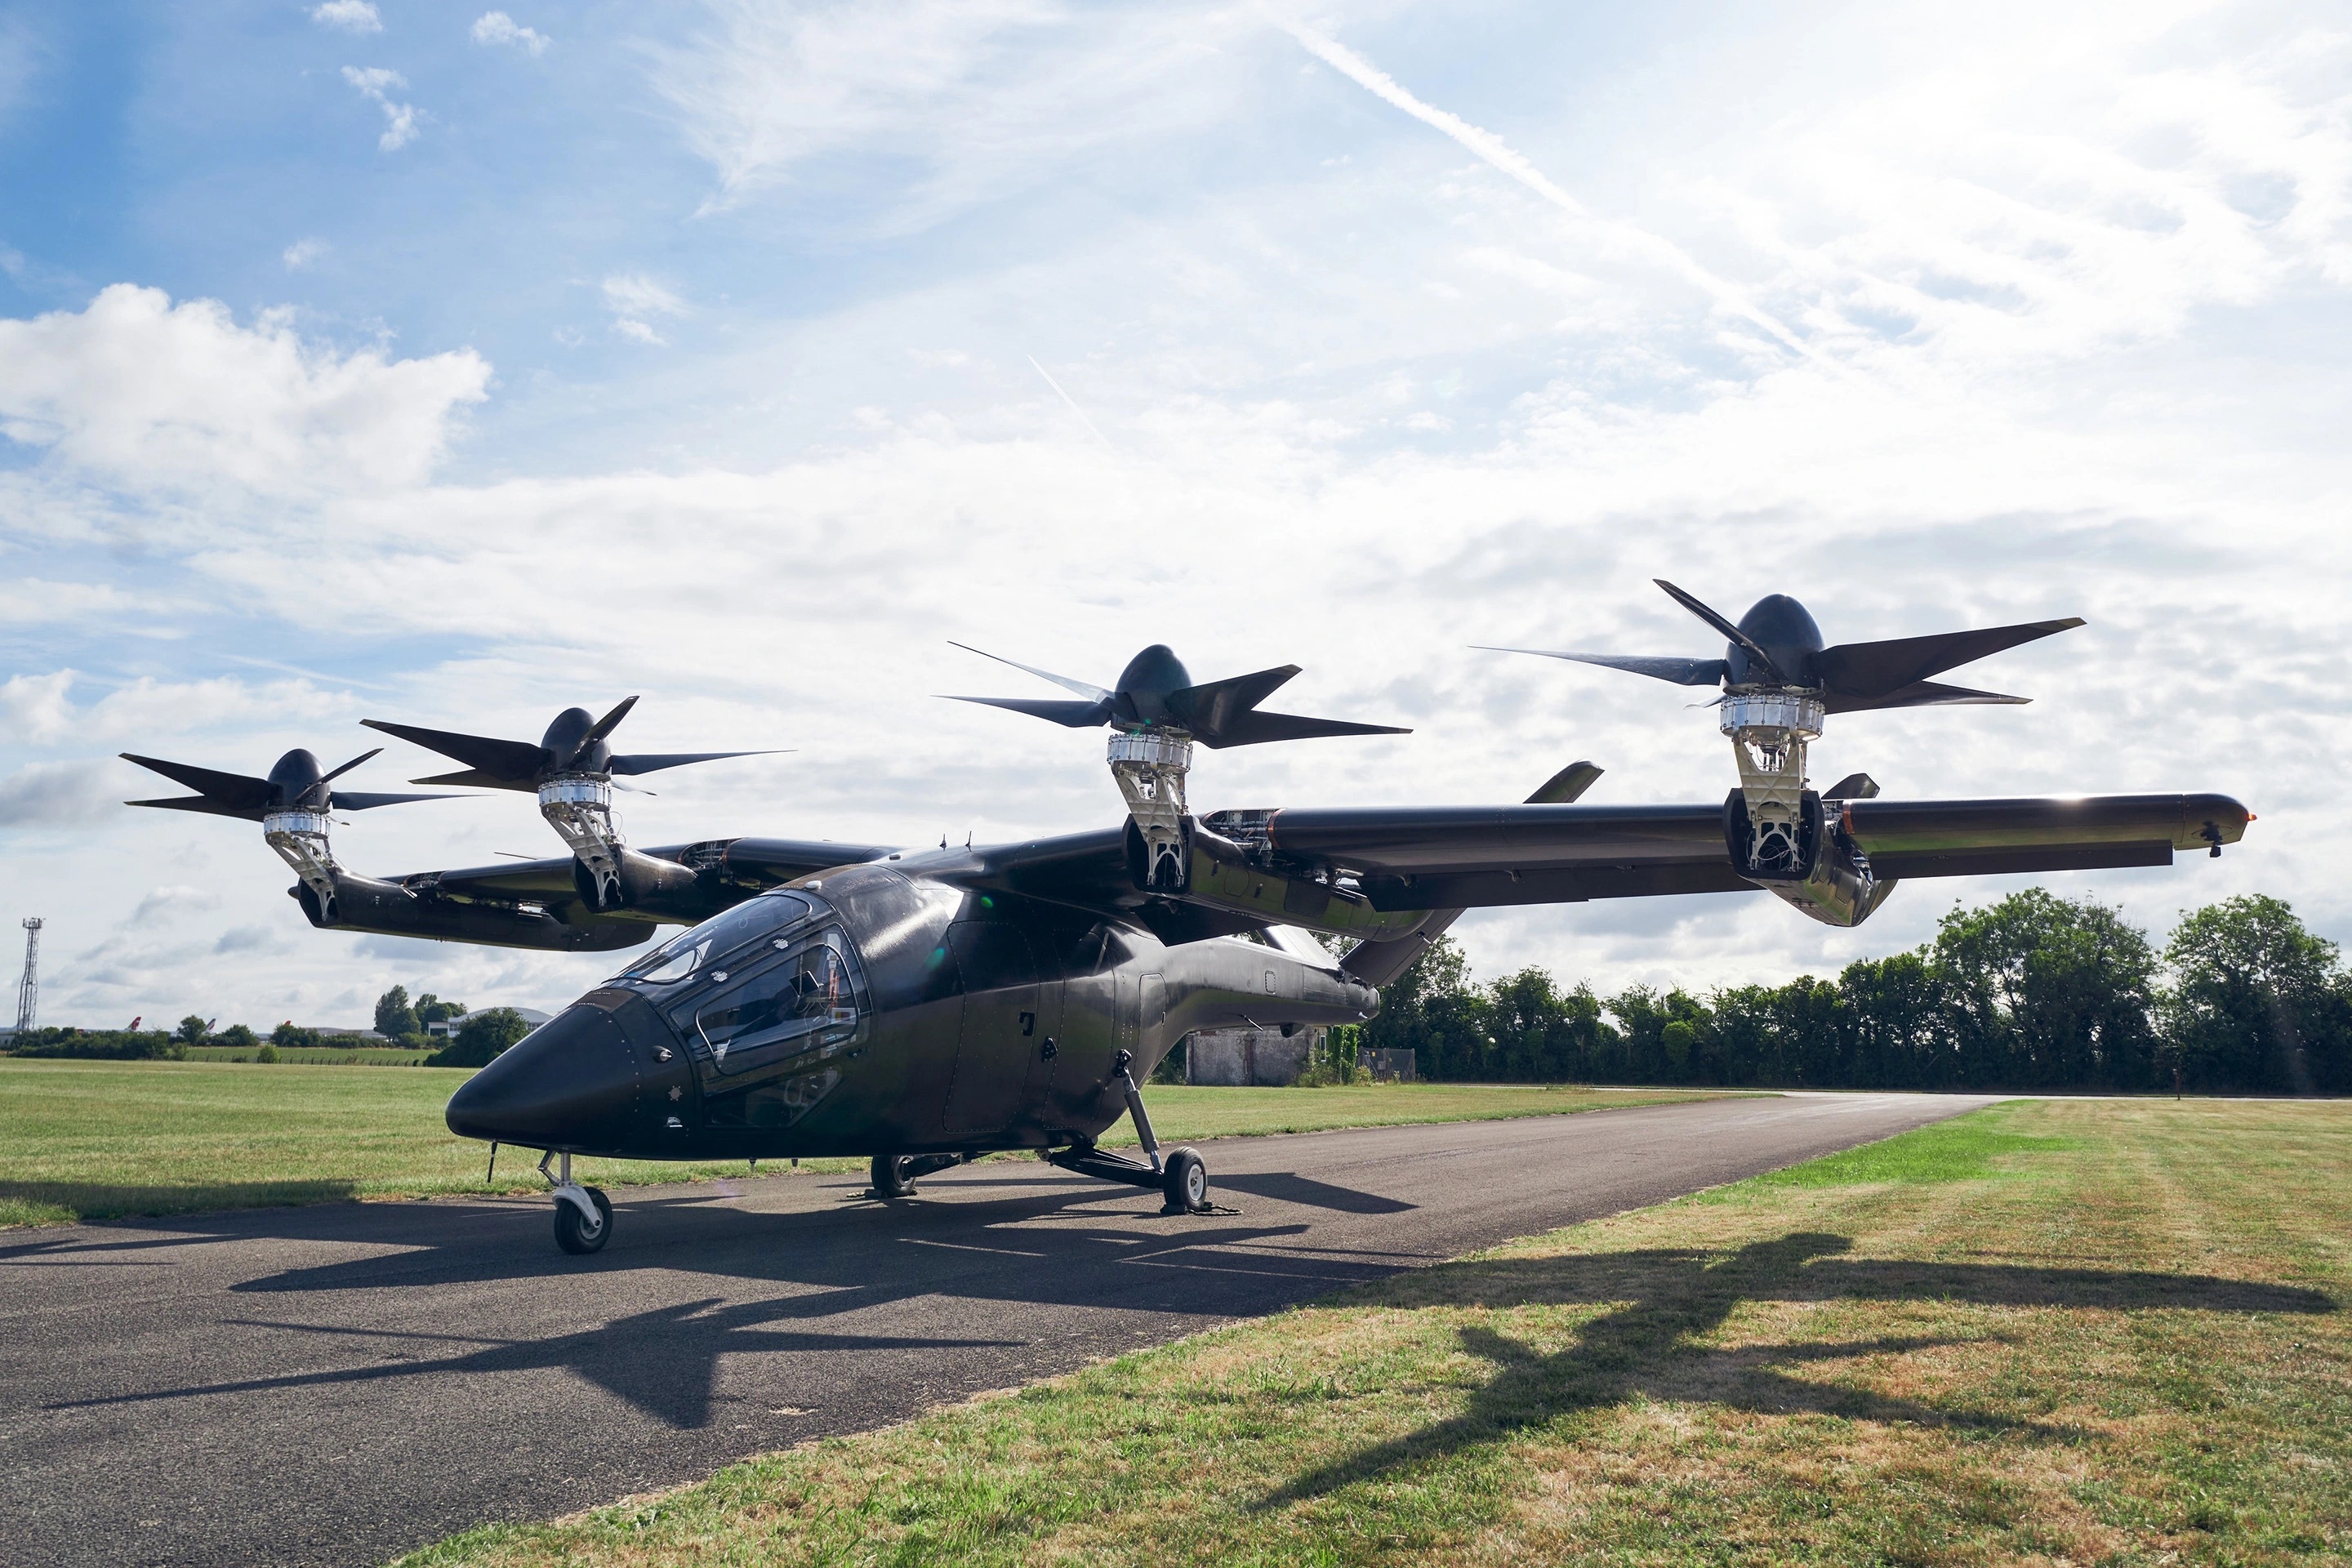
296	776
571	1084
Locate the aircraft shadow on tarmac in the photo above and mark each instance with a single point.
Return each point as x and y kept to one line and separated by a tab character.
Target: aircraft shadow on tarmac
854	1255
1646	1347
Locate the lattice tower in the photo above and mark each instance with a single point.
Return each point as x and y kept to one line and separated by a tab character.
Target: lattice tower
29	989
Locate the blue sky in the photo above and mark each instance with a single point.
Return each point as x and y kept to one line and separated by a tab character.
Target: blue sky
454	365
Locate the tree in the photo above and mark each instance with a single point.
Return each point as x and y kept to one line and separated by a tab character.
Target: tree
1433	1008
192	1030
394	1015
2256	1001
482	1038
287	1034
2045	992
239	1035
431	1009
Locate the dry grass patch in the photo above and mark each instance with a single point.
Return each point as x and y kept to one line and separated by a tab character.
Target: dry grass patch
2061	1333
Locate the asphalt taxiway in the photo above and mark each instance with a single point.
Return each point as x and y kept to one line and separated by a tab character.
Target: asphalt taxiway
340	1383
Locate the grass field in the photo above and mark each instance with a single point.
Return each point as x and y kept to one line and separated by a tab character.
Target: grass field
2055	1332
314	1056
95	1140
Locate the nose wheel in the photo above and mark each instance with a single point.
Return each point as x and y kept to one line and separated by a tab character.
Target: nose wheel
583	1216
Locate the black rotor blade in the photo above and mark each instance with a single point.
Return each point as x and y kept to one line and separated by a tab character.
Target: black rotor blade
476	779
1564	786
1919	694
205	804
1253	728
347	767
609	722
1076	715
654	762
1084	689
368	800
1875	669
235	793
1211	707
512	763
1681	671
1728	628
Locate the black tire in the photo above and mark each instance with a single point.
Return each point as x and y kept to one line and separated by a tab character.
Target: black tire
894	1177
1184	1178
573	1231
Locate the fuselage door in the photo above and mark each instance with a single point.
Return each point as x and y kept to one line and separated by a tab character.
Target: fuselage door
1003	1030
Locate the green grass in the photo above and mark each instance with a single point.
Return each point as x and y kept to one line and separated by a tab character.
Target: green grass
315	1056
99	1140
2054	1332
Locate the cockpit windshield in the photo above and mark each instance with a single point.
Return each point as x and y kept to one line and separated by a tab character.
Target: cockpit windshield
753	919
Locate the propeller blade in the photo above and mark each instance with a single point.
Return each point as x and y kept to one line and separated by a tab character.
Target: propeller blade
513	763
1729	630
203	804
347	767
1208	709
1681	671
1853	786
1564	786
1253	728
365	800
654	762
1875	669
235	793
1919	694
610	722
1063	682
476	779
1076	715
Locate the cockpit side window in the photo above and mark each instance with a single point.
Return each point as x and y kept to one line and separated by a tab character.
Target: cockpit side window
803	999
720	937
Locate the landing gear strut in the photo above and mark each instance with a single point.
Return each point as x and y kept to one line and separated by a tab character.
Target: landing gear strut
583	1216
894	1175
1183	1177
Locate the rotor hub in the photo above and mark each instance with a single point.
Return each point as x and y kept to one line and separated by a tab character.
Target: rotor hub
300	838
1149	766
579	806
1768	731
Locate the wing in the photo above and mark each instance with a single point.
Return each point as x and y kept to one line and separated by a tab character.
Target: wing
1473	858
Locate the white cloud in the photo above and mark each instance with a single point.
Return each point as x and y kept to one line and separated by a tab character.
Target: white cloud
632	297
36	709
498	27
352	16
55	795
144	393
303	252
377	84
988	94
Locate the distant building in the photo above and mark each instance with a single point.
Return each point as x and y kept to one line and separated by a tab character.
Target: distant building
1234	1059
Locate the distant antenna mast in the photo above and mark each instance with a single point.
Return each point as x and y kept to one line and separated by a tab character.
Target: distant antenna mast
29	989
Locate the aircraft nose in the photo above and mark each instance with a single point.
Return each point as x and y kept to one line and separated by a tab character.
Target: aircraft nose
571	1084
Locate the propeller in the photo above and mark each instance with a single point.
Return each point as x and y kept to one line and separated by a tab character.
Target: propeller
1777	643
574	744
1156	691
294	785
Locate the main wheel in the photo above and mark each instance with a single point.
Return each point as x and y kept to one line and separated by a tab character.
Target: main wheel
1184	1178
575	1233
894	1175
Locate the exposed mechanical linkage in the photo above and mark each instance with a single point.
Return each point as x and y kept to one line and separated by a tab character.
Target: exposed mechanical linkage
579	806
1769	733
1149	766
300	839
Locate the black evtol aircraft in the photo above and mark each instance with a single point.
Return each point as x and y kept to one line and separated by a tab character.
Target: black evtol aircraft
922	1006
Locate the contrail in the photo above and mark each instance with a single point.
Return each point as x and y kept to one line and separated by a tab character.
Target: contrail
1069	399
1497	154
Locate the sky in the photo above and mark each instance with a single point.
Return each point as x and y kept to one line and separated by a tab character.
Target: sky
456	366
